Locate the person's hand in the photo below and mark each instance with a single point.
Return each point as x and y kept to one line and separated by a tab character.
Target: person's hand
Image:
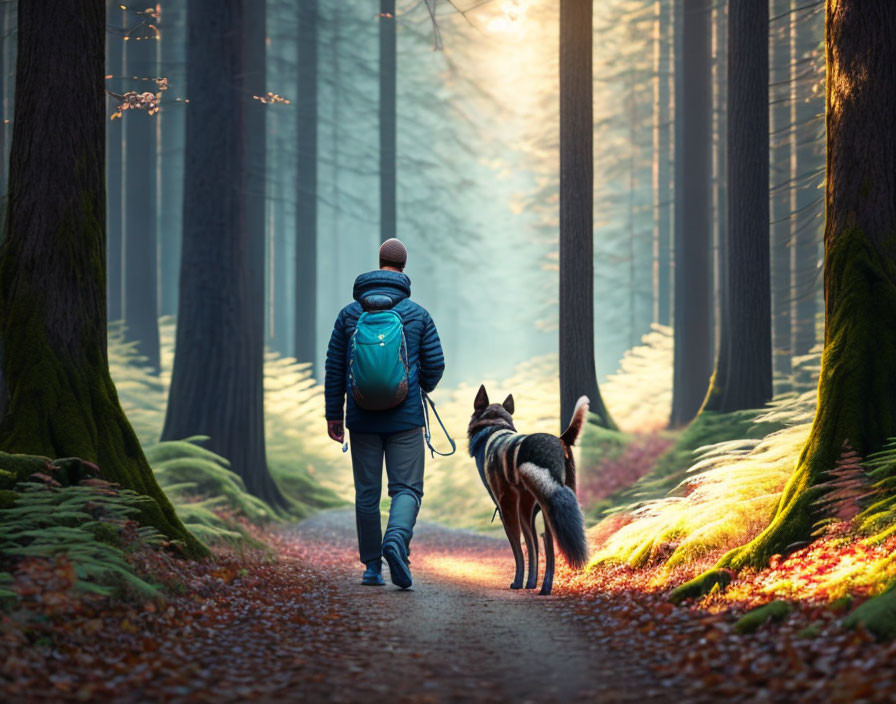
335	430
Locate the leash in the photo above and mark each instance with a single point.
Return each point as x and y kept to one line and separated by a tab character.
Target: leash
426	430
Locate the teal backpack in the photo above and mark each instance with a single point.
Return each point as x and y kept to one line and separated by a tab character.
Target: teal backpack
378	366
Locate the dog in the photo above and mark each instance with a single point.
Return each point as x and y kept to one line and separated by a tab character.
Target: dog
527	473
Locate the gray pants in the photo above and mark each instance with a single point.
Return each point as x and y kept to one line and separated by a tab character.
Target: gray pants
404	467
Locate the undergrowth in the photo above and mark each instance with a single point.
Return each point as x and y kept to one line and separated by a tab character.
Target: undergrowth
722	499
313	472
210	499
88	527
639	393
708	495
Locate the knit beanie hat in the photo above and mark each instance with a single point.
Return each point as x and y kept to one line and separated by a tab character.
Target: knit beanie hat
393	253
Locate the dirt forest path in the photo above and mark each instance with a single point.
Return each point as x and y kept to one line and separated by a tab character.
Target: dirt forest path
460	634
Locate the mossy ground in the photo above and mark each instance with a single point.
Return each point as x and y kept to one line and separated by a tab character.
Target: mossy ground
758	617
855	401
878	615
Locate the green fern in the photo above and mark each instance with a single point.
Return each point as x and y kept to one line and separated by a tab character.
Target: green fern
845	491
185	470
188	472
879	518
47	522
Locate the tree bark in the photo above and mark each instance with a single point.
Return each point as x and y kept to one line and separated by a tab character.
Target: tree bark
305	330
114	162
4	80
388	75
693	222
8	67
720	187
743	376
857	389
140	306
217	381
781	216
59	400
577	374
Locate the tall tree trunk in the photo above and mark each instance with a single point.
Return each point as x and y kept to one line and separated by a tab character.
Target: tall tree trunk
281	311
720	188
254	187
114	162
5	39
305	329
857	389
806	224
693	222
171	155
743	377
577	375
633	328
8	67
781	216
277	295
388	74
217	382
662	162
57	398
336	239
140	253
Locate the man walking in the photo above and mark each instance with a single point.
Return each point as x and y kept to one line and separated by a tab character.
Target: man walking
383	352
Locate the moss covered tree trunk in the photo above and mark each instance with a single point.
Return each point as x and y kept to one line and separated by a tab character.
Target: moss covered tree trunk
217	385
57	397
857	389
743	376
577	374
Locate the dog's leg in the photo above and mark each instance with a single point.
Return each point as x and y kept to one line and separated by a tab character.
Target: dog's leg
511	519
548	558
527	520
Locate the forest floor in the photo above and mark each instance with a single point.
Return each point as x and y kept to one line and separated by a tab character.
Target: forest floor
298	626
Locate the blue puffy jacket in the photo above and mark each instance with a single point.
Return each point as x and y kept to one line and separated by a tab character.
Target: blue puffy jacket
424	355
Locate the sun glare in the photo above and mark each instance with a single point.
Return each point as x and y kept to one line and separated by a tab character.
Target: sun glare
466	569
512	19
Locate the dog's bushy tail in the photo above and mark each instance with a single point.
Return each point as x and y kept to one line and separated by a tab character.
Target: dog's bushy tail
568	526
561	511
579	416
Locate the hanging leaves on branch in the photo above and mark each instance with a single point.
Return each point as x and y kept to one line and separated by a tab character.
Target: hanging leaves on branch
145	28
271	98
134	100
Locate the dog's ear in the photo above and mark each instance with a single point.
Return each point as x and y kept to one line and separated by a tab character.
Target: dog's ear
481	399
508	404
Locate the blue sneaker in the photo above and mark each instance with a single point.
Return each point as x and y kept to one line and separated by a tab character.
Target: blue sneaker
373	575
396	555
